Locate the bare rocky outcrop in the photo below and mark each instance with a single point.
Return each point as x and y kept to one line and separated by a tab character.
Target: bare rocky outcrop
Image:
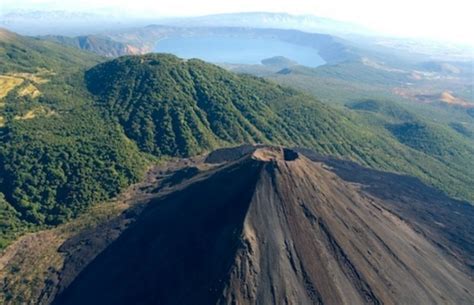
270	226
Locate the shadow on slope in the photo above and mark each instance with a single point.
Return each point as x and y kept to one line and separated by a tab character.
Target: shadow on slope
180	249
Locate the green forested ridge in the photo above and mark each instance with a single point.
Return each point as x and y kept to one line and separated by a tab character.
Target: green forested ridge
462	129
93	43
174	107
58	153
171	106
25	54
434	139
429	139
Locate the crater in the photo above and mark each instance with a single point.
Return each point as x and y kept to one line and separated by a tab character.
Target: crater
289	154
268	154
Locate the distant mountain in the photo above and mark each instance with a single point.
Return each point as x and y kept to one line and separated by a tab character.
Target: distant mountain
26	54
97	44
141	40
41	22
99	21
270	226
306	23
449	67
278	62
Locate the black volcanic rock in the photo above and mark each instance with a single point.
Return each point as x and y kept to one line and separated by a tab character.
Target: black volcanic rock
271	227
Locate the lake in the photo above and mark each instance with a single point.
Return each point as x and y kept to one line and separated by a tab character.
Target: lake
237	50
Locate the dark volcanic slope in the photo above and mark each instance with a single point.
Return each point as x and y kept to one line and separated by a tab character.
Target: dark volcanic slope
272	227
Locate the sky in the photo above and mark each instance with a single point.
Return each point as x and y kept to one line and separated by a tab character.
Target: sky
449	20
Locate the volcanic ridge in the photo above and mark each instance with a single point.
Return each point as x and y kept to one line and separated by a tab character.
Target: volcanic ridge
268	225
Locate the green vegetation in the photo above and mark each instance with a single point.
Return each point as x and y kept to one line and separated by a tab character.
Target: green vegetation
428	139
169	106
54	163
356	73
54	167
10	223
444	155
278	62
174	107
24	54
92	43
432	138
463	129
26	276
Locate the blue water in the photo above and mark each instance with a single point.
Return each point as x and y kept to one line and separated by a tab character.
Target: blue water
237	50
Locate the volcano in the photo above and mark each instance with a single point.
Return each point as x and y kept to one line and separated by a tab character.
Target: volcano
270	225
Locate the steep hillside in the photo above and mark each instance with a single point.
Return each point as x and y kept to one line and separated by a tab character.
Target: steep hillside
25	54
58	154
97	44
415	131
170	106
430	140
370	88
234	236
174	107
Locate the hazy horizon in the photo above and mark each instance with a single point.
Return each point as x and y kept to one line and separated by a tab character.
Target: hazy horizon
440	21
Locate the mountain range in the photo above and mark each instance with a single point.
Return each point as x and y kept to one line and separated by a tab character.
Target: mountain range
78	129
